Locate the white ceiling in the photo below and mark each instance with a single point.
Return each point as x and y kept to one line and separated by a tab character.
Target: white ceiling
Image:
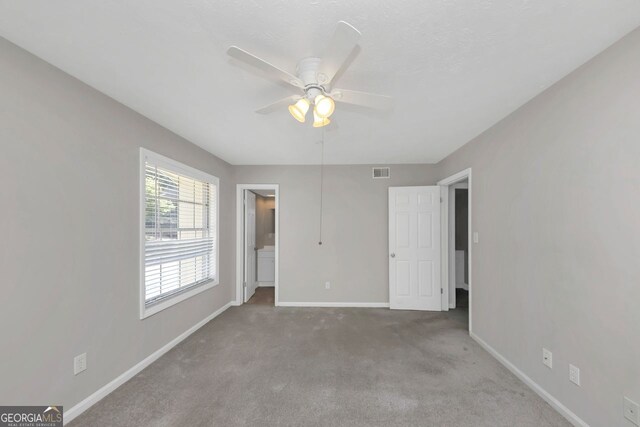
454	67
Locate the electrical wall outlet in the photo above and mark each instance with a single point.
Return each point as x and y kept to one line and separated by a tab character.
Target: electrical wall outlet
79	363
547	358
574	374
327	285
632	411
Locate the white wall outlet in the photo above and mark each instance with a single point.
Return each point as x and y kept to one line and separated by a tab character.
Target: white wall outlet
79	363
476	237
547	358
327	285
632	411
574	374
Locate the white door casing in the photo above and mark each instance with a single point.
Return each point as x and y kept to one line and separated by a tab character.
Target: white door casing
250	245
414	248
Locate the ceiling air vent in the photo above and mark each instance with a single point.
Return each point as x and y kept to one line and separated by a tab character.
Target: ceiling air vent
381	172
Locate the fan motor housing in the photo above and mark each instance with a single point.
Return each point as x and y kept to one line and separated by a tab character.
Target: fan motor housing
307	70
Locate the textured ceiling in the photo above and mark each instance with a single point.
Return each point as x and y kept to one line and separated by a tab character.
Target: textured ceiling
454	67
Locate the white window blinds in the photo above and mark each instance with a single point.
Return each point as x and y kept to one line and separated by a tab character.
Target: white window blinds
180	230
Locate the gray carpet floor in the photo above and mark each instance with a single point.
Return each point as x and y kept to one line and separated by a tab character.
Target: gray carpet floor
263	296
258	365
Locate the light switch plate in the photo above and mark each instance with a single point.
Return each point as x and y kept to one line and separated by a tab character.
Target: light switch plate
574	374
79	363
632	411
547	358
476	237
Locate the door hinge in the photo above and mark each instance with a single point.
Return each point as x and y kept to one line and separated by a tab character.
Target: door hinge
244	284
440	199
441	291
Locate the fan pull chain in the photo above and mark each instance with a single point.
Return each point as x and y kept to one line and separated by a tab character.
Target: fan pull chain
321	182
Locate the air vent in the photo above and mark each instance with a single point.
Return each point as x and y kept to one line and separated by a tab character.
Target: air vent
381	172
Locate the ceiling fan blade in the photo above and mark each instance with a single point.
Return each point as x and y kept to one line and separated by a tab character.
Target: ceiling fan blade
269	69
278	104
365	99
340	47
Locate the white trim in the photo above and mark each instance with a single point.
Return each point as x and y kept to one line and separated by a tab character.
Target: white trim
156	308
239	242
444	245
176	166
85	404
460	176
555	403
451	251
266	284
456	177
335	304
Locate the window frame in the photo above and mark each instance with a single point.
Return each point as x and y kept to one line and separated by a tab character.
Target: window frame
180	168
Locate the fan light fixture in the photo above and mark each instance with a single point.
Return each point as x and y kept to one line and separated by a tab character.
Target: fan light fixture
324	106
299	109
318	121
314	79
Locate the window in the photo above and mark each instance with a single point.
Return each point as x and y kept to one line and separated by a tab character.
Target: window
179	237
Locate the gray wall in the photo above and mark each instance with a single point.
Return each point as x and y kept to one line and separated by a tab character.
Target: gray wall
556	202
70	235
354	253
264	221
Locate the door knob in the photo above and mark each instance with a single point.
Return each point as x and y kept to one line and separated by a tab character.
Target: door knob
393	255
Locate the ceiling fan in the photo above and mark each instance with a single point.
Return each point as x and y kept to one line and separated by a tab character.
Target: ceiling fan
314	78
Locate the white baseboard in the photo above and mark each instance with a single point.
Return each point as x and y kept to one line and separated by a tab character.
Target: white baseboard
464	286
334	304
266	284
104	391
555	403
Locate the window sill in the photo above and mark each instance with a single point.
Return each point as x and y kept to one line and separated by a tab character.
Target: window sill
156	308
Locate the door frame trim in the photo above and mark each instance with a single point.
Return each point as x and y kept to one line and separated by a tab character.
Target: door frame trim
444	223
245	246
239	300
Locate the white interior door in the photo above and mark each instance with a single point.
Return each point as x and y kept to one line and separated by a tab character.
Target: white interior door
414	248
250	279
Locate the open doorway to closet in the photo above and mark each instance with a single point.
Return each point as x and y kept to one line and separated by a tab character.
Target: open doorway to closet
456	245
459	245
257	243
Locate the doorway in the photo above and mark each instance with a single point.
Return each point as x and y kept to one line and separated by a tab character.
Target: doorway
257	244
457	244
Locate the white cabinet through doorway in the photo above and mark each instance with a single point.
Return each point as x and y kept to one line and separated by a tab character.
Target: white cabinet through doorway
266	265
